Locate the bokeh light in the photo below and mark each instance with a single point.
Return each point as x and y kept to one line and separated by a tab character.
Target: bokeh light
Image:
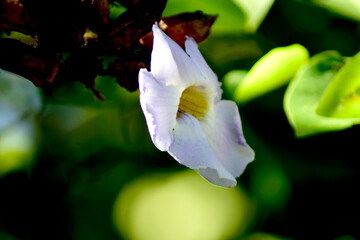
19	102
181	206
17	147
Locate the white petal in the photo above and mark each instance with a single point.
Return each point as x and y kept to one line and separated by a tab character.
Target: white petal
224	132
191	148
170	65
160	105
192	49
18	97
211	79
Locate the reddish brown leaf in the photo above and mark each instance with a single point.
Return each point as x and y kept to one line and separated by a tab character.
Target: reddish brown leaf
196	25
27	62
97	13
39	70
147	40
102	7
129	3
126	72
82	66
14	18
82	30
130	26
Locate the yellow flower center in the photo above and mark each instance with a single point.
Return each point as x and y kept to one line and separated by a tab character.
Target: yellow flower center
195	100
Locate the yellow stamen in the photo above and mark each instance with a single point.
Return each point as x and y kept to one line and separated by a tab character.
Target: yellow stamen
196	101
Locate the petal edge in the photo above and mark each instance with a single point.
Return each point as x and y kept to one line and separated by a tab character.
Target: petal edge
159	105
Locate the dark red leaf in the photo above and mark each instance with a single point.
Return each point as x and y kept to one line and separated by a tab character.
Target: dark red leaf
82	66
97	13
196	25
60	24
24	60
14	18
126	71
129	27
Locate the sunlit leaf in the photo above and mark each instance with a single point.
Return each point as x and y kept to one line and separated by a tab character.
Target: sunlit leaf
348	8
27	39
304	93
342	97
272	71
255	12
230	19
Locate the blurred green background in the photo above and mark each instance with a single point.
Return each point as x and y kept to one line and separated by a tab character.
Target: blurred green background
72	167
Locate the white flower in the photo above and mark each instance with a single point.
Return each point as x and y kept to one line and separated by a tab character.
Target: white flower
180	99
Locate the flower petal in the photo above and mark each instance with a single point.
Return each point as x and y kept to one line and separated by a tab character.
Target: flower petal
191	148
160	105
192	49
211	79
170	65
224	132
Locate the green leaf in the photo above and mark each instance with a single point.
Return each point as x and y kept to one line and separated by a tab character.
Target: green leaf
231	18
348	8
305	91
271	186
341	98
232	79
263	236
272	71
255	12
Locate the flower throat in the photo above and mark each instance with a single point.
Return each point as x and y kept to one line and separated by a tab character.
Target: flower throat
195	101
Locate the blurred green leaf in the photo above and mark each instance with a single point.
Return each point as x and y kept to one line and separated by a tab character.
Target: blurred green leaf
271	186
230	19
345	237
255	11
272	71
341	98
232	80
304	93
348	8
18	145
226	52
152	208
5	236
75	94
263	236
93	188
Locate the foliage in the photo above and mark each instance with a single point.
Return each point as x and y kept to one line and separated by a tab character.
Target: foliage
306	91
74	167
